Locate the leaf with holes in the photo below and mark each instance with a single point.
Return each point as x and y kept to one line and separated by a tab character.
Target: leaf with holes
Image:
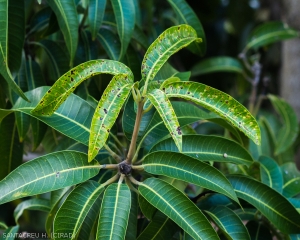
165	197
219	102
114	213
95	15
164	107
47	173
168	43
107	112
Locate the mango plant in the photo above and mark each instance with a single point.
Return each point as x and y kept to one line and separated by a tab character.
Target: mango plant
109	191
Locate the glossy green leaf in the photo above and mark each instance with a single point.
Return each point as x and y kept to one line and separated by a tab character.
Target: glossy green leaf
34	74
180	166
211	200
75	208
47	173
114	213
217	64
125	17
270	203
67	83
131	230
164	107
268	33
146	208
165	197
247	214
168	43
295	202
291	179
270	173
66	14
290	129
208	148
39	204
138	14
216	101
228	222
258	231
10	233
161	227
107	111
95	15
187	15
110	43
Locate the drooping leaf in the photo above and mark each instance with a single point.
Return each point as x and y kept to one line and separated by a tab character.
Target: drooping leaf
138	15
66	14
228	222
270	203
180	166
110	43
47	173
291	179
186	215
67	83
217	64
39	204
95	15
268	33
75	208
164	107
270	173
289	131
125	17
186	15
216	101
208	148
114	213
168	43
107	112
131	230
258	231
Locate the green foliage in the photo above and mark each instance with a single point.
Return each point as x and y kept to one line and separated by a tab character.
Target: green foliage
131	156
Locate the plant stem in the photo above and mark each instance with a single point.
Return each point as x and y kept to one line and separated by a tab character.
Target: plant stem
113	154
135	133
134	181
111	180
109	166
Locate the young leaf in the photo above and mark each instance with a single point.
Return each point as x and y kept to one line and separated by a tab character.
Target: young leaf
67	83
269	202
165	197
217	64
228	222
125	17
164	107
47	173
208	148
114	213
95	15
180	166
291	179
216	101
75	208
107	112
39	204
168	43
66	14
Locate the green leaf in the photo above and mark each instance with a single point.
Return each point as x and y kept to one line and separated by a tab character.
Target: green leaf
180	166
125	17
47	173
168	43
268	33
66	14
270	173
247	214
39	204
187	16
208	148
291	179
211	200
258	231
139	36
146	208
95	15
270	203
290	129
3	225
114	213
107	111
216	101
217	64
138	15
110	43
228	222
295	202
34	74
164	107
161	227
10	233
67	83
131	230
177	207
74	210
